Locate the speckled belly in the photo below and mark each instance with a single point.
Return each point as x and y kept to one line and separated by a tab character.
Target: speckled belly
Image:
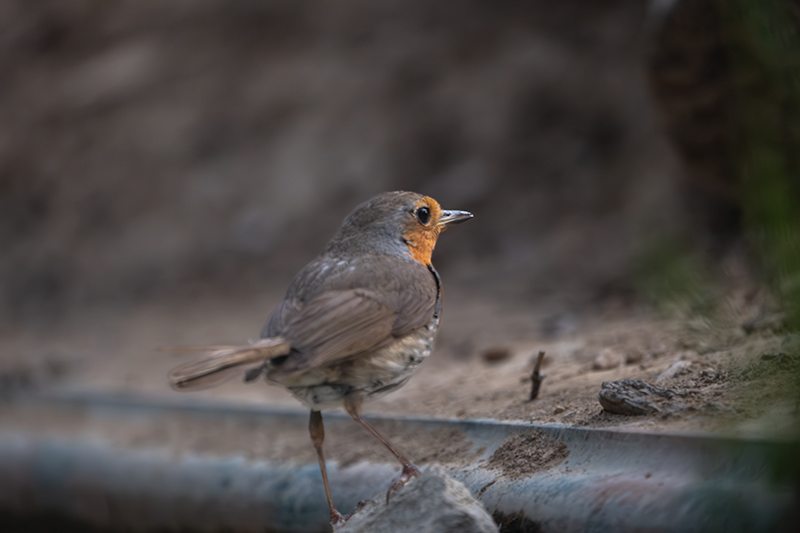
373	373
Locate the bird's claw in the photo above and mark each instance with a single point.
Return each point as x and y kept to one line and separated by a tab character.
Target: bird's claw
409	473
337	520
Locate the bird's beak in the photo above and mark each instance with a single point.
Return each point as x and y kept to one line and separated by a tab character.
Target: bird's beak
454	217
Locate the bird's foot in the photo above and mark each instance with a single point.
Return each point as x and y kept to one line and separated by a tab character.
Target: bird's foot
409	472
337	520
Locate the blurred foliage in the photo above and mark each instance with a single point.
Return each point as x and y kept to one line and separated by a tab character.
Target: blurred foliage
764	44
675	279
765	56
760	61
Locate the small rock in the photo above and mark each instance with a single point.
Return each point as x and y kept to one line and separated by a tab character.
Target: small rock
633	397
432	503
496	354
634	356
558	409
711	375
559	324
607	359
677	368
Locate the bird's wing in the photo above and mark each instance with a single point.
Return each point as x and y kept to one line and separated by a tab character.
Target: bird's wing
332	327
336	309
418	300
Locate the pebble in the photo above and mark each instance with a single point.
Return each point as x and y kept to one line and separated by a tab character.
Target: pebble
677	368
634	356
607	359
496	354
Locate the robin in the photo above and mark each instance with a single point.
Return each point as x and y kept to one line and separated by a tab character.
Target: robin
355	324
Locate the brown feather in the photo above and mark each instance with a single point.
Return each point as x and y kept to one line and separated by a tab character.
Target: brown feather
220	363
335	310
333	327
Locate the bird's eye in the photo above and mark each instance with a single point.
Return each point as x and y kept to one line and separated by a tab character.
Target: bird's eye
424	215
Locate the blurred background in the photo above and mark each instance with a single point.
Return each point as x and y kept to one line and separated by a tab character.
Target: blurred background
167	167
200	152
146	145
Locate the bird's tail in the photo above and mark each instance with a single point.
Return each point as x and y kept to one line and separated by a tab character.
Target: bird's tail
217	364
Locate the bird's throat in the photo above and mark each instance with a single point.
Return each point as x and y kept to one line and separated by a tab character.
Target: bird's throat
421	244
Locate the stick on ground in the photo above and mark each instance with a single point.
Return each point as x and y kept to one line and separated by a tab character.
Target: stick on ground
536	377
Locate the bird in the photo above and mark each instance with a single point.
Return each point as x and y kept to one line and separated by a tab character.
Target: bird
355	324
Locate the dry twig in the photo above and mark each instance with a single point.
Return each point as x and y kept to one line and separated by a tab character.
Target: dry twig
536	377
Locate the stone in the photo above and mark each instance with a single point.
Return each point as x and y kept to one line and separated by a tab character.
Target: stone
496	354
633	397
634	356
676	369
607	359
432	503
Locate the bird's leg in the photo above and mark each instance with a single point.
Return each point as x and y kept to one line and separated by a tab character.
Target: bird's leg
317	431
352	404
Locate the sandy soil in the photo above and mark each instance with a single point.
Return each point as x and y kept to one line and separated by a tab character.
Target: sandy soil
480	369
542	125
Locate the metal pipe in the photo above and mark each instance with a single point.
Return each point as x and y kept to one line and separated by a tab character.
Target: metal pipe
610	480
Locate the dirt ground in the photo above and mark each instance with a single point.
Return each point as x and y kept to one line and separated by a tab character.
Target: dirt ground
728	377
173	167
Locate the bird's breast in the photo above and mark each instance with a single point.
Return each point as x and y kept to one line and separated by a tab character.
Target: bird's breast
373	374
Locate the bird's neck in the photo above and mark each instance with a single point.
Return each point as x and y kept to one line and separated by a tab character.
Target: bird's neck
421	244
